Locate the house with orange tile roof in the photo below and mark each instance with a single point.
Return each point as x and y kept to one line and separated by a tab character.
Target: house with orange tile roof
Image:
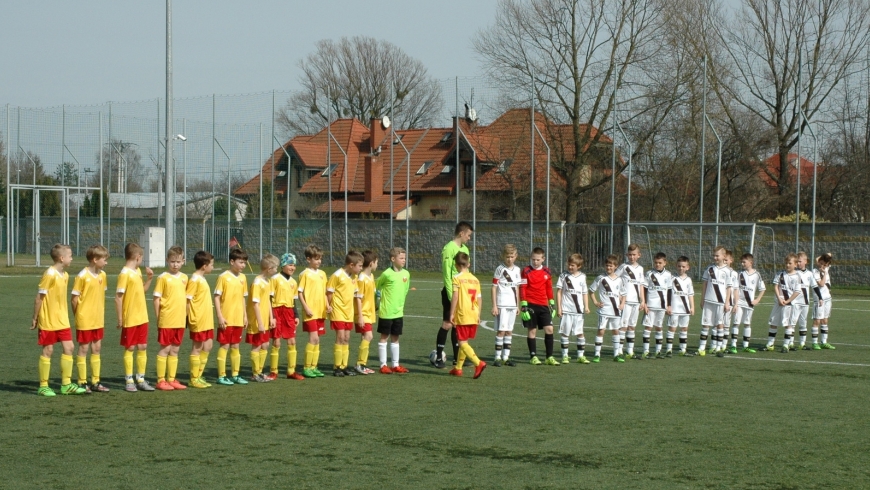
770	166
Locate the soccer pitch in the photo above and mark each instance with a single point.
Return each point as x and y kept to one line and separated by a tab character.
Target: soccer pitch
765	420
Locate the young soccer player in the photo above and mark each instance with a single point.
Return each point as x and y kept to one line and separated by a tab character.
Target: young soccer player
659	295
365	283
505	301
89	306
200	317
393	284
312	296
461	235
170	307
610	302
260	319
230	293
717	289
749	282
538	306
635	301
572	302
733	278
133	317
682	307
801	305
283	290
787	285
465	314
342	301
51	317
822	309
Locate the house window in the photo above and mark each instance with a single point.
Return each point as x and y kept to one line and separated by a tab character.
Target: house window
329	170
425	167
467	175
298	177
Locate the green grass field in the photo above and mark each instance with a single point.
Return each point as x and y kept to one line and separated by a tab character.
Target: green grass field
767	420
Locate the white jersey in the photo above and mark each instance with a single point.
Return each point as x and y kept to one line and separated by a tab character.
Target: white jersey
823	291
658	288
683	293
788	283
807	282
634	280
609	293
747	285
506	280
718	281
573	288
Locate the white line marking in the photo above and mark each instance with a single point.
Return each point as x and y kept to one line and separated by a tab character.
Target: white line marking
793	360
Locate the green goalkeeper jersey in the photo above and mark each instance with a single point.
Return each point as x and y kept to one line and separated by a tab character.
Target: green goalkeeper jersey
448	267
394	287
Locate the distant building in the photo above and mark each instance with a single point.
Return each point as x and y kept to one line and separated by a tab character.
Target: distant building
145	204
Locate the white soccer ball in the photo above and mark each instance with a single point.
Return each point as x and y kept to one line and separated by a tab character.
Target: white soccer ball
433	356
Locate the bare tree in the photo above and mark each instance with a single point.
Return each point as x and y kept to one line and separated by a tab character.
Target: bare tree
360	77
122	167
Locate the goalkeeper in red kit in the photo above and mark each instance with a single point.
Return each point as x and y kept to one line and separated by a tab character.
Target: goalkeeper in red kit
538	306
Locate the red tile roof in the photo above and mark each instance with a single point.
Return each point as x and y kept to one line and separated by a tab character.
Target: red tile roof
772	165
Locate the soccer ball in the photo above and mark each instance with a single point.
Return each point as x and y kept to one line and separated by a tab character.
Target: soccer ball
433	356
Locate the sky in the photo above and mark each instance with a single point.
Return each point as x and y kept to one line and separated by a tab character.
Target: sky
55	52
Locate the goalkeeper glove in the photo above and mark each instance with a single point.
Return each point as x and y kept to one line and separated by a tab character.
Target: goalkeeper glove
553	308
524	308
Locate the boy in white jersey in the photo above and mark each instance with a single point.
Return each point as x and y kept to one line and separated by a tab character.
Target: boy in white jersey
572	301
610	302
801	305
748	283
505	301
732	301
632	273
787	286
822	309
717	289
682	307
659	291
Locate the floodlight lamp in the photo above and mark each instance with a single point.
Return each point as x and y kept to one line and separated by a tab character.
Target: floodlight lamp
180	137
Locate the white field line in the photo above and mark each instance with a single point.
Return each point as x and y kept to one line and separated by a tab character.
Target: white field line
797	361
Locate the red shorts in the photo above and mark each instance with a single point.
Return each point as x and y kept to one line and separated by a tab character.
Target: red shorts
465	332
88	336
365	328
131	336
315	326
230	335
258	338
51	337
285	323
170	336
336	325
202	336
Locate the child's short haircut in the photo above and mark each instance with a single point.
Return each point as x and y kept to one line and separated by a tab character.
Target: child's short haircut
268	261
461	260
462	226
576	259
313	252
202	259
538	251
729	254
369	257
395	251
633	248
790	257
131	250
353	257
611	259
660	255
748	256
683	259
802	254
57	250
96	252
238	254
508	249
718	248
175	252
826	258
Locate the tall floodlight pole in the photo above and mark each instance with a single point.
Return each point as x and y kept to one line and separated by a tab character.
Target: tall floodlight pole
718	176
544	141
703	168
169	206
456	138
532	170
815	172
798	167
628	201
612	160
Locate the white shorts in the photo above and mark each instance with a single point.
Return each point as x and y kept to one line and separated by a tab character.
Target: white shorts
506	319
571	324
655	318
743	316
780	316
611	323
822	312
681	321
712	314
799	315
629	315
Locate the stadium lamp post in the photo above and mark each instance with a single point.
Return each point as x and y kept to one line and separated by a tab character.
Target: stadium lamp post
718	176
815	172
229	204
628	200
169	166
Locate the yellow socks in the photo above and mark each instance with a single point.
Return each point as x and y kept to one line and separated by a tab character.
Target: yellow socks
345	355
194	367
128	364
338	355
44	370
263	355
203	362
96	364
235	360
274	354
222	362
82	367
291	359
171	368
309	356
467	352
255	362
66	363
316	359
161	368
460	358
363	352
141	363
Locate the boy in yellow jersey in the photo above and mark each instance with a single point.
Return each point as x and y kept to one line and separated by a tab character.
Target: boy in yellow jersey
200	317
312	296
343	300
282	288
229	304
89	306
170	307
51	317
365	284
133	317
260	317
465	314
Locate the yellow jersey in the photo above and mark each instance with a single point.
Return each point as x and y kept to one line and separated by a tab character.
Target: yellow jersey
258	297
172	289
91	290
365	285
312	286
343	289
282	290
133	309
200	317
468	304
232	289
53	314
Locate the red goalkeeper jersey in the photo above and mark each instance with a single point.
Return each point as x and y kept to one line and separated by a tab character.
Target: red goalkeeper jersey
536	288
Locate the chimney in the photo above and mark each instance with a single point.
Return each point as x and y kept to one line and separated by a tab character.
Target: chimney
376	134
374	178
